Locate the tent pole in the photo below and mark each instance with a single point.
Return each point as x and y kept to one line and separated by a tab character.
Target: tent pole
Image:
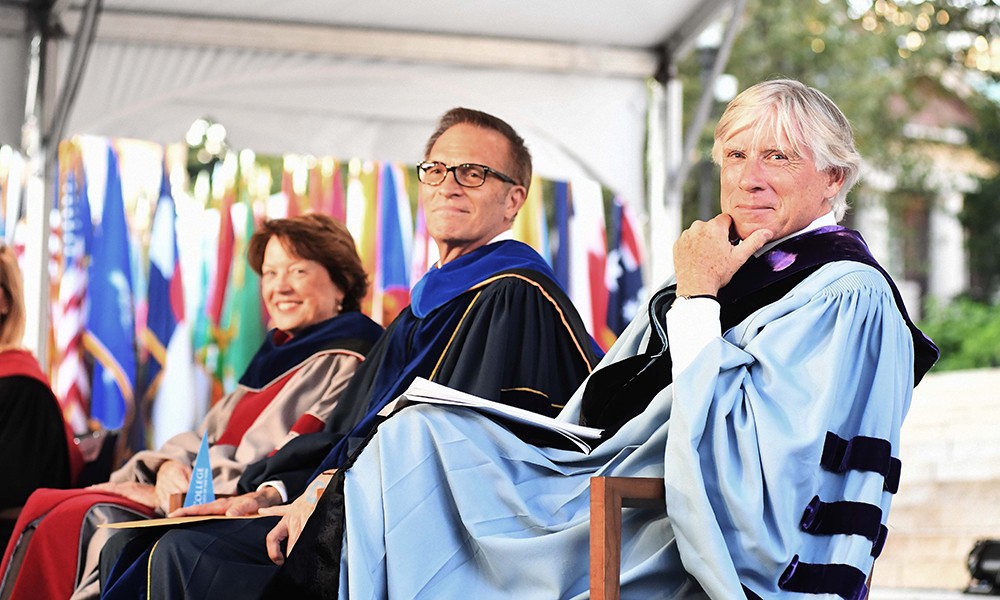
707	98
656	186
37	202
665	135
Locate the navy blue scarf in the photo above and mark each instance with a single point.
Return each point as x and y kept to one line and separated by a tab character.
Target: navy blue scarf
347	331
443	284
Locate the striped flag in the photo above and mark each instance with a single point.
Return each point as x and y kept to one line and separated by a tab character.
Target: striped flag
166	291
110	335
225	176
70	379
169	383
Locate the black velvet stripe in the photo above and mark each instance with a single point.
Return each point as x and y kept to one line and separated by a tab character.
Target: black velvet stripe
842	518
891	484
883	532
807	578
861	454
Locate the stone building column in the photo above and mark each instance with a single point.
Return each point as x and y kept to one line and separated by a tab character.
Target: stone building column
948	268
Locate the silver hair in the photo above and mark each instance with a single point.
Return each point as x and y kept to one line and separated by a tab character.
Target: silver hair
805	117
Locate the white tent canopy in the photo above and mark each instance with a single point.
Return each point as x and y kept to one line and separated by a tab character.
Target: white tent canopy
366	79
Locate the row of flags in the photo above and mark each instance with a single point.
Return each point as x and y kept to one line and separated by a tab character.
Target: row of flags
147	331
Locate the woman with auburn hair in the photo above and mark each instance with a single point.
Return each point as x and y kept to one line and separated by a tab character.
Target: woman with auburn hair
312	283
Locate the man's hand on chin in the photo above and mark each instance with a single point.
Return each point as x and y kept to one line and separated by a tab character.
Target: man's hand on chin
705	258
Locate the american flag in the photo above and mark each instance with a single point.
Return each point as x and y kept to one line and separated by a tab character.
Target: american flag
70	379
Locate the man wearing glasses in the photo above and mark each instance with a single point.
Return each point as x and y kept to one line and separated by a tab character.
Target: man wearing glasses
487	319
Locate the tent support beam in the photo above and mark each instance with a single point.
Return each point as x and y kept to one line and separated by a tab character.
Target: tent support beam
670	152
707	97
37	202
40	145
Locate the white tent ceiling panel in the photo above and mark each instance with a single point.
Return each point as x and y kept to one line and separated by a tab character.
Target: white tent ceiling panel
279	102
361	78
635	24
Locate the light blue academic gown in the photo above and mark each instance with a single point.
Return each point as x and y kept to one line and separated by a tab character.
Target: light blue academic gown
461	508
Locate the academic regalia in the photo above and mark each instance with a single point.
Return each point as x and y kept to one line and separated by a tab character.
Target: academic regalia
498	305
491	323
779	466
35	443
289	388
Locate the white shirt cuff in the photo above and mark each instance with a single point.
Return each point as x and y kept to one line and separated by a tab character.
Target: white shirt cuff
691	324
278	485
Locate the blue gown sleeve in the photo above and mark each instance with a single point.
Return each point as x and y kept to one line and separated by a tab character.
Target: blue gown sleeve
779	463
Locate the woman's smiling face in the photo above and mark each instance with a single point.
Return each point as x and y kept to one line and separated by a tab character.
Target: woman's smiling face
297	292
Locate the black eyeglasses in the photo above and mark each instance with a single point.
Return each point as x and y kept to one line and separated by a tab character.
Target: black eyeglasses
467	175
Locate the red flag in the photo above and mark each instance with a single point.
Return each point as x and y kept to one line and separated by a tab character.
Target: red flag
338	200
588	258
223	258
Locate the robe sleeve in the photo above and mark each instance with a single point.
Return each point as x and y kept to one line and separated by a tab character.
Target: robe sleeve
761	487
520	343
183	447
314	390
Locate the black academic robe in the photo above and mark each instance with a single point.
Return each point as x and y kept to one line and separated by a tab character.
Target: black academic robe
33	436
492	323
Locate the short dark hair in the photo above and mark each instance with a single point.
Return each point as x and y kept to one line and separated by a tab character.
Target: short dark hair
320	238
520	157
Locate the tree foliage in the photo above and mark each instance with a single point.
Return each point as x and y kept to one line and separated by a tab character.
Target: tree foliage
966	331
881	61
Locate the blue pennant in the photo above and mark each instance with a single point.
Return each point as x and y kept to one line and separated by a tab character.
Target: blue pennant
200	490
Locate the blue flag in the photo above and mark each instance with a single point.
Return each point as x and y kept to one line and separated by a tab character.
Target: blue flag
564	213
110	334
624	269
166	301
392	278
201	489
